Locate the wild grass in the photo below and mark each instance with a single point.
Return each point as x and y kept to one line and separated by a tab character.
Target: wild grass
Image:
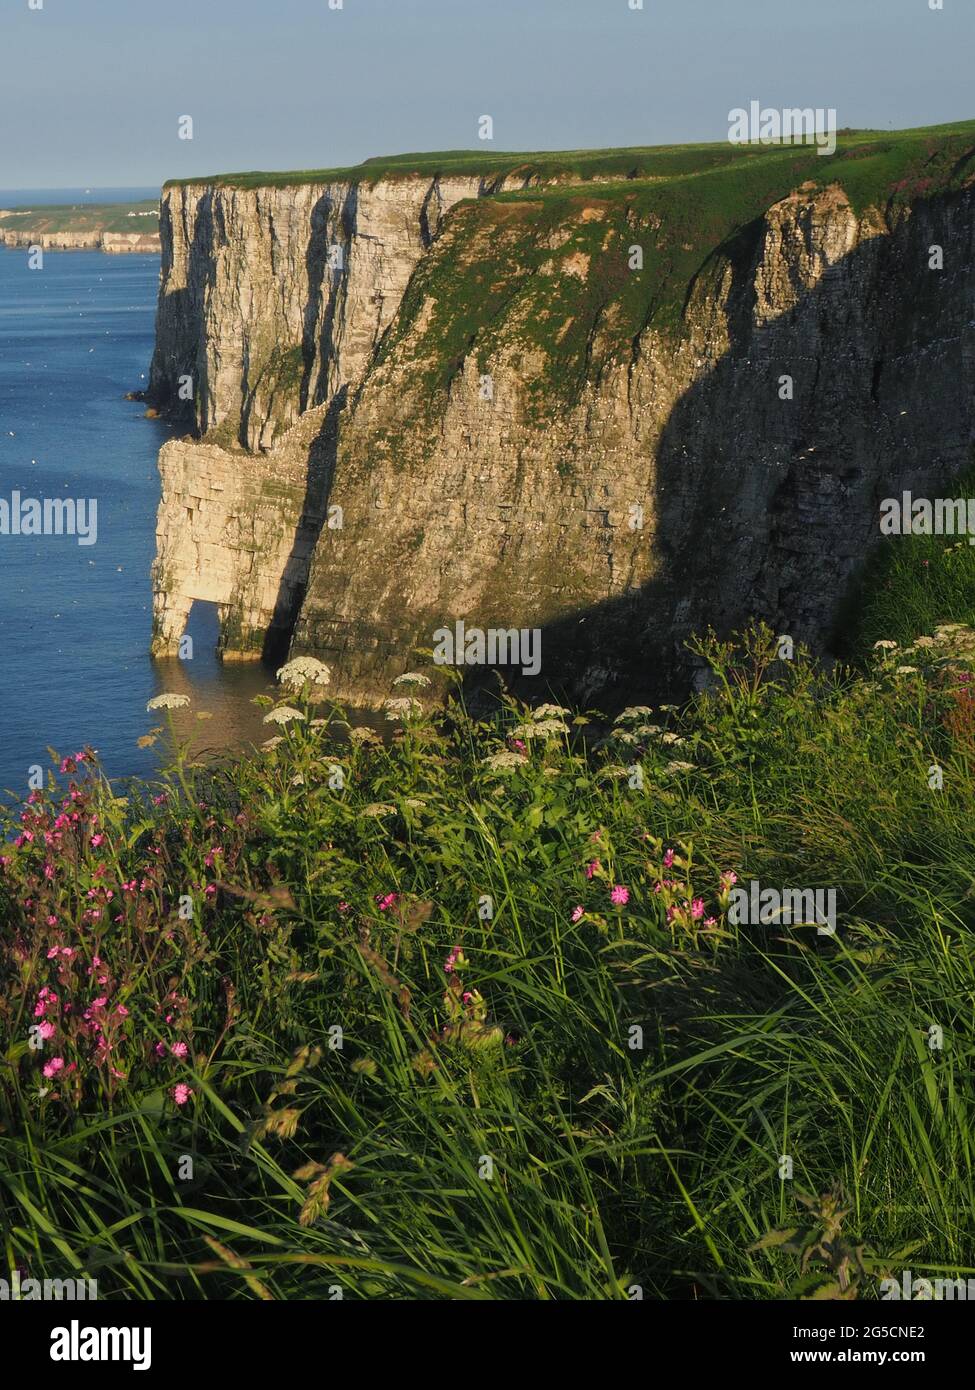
465	1015
911	584
884	151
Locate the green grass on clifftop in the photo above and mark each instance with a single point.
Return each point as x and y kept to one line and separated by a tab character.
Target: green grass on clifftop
547	269
633	162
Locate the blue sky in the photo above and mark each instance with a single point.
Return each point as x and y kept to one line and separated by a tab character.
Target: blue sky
91	91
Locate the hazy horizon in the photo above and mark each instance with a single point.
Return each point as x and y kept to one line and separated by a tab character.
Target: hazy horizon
93	99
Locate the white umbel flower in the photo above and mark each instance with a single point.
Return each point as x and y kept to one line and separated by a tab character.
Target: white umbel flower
168	701
284	714
543	728
294	674
403	707
632	713
412	678
504	761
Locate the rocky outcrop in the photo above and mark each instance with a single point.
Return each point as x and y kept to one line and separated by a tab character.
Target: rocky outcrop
509	434
117	243
233	531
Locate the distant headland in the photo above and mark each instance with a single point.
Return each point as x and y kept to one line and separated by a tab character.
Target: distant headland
112	227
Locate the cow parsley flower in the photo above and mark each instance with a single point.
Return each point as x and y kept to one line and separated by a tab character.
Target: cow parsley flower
168	701
404	707
503	761
632	713
284	714
294	674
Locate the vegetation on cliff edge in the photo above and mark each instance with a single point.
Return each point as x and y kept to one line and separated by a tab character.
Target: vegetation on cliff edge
466	1015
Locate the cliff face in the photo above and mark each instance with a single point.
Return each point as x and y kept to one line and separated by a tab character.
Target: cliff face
274	299
523	428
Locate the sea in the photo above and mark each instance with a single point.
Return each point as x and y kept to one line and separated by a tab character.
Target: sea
75	620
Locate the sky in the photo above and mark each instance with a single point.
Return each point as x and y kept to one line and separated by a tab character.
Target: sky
92	91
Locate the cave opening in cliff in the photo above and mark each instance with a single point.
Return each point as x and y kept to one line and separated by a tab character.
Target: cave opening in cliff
203	630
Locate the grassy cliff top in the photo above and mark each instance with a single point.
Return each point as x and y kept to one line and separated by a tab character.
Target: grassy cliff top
547	268
83	217
889	148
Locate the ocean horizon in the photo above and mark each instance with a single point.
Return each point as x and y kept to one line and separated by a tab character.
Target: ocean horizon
71	197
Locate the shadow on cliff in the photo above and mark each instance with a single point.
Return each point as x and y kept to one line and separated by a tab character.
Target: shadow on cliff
766	506
324	449
314	514
179	320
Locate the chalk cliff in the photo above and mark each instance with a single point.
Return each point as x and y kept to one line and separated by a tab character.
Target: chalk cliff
115	243
601	410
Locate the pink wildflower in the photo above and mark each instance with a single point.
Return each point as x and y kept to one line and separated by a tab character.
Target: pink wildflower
577	912
620	895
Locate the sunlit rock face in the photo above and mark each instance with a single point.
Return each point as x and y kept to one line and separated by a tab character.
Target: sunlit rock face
465	418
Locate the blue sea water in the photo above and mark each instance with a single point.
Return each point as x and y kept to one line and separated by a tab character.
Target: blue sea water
50	197
75	620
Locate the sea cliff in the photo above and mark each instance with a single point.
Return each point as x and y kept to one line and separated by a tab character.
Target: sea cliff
618	402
